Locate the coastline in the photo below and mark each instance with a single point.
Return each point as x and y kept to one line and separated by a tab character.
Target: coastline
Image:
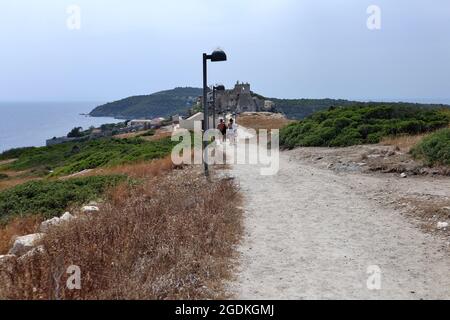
30	124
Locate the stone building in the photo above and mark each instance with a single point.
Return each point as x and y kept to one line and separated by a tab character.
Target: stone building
240	99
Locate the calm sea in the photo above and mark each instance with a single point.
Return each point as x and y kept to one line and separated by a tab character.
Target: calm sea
26	124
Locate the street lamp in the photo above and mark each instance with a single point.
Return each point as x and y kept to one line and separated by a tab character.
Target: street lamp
216	56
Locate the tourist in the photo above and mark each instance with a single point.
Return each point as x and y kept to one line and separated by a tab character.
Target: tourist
222	127
232	131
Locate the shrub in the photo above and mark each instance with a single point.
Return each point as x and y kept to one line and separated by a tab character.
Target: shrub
51	198
434	149
73	157
14	153
345	126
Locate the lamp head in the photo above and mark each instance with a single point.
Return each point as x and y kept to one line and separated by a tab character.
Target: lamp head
218	55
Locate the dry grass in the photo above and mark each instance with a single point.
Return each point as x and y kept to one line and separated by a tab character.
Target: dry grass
262	120
404	142
18	227
139	170
171	237
159	134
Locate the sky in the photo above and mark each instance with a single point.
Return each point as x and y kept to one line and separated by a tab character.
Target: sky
283	48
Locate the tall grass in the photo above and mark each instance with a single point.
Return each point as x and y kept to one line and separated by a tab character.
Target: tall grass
169	238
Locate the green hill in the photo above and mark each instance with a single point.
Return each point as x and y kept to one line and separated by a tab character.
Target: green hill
159	104
302	108
363	123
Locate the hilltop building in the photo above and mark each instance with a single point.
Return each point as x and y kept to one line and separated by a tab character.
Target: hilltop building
239	99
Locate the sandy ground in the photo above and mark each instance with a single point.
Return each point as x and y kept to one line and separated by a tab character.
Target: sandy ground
312	233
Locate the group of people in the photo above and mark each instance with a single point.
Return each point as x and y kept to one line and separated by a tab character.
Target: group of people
228	130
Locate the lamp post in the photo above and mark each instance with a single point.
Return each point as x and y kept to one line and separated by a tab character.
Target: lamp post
216	56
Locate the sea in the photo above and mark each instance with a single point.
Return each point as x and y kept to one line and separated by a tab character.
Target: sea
26	124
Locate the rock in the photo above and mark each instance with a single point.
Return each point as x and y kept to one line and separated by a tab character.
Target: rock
391	153
88	209
28	257
46	225
446	209
442	225
403	175
24	244
67	217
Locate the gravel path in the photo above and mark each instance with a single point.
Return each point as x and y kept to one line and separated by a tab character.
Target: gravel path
312	234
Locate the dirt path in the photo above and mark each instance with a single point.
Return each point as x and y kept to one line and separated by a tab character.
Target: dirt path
311	234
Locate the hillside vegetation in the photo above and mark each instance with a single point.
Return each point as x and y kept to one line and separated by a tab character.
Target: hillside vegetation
159	104
51	198
302	108
74	157
434	149
359	124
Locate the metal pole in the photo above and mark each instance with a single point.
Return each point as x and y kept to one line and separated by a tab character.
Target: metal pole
205	113
214	107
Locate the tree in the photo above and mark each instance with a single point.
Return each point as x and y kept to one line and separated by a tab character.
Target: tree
75	133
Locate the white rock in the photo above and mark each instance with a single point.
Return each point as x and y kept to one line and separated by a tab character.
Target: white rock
404	175
90	209
442	225
67	217
27	257
24	244
46	225
446	209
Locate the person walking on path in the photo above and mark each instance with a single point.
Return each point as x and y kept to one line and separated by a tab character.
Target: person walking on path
222	127
232	131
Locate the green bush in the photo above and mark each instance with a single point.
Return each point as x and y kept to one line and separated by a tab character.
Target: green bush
352	125
14	153
52	198
434	149
68	158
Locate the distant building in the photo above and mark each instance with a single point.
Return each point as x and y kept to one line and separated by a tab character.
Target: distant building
145	124
240	99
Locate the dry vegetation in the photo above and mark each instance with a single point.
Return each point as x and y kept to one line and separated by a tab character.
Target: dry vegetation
17	227
403	143
262	120
159	134
170	237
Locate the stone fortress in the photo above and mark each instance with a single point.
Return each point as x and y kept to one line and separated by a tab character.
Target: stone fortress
240	99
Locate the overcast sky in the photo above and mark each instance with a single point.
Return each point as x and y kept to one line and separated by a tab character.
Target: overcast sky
284	48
